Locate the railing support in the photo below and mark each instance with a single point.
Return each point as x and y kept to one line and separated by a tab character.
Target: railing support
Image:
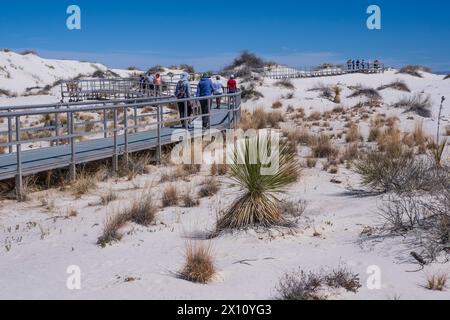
10	134
115	160
105	124
19	178
125	112
158	147
73	168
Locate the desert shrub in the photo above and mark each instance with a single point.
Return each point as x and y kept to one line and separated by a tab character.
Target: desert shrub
396	85
136	165
300	285
326	91
293	208
142	211
170	196
274	118
188	201
323	148
99	74
199	265
417	138
418	104
27	52
315	116
285	83
374	133
108	197
111	230
365	92
390	139
311	163
246	59
209	188
259	204
447	77
353	134
250	93
133	68
256	120
414	70
156	69
397	171
187	68
351	152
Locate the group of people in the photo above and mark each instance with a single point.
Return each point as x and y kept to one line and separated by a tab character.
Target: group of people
205	88
150	81
358	65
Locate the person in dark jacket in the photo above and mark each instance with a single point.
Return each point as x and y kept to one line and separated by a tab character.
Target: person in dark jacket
183	91
205	88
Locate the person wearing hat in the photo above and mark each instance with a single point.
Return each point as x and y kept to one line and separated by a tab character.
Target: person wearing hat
232	85
205	89
183	91
218	90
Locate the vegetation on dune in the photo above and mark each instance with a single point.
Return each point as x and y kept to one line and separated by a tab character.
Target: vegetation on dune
414	70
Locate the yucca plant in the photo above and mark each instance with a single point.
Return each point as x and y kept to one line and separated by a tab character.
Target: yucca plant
259	205
337	94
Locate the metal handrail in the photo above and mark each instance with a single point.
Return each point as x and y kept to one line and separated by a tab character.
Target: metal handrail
233	101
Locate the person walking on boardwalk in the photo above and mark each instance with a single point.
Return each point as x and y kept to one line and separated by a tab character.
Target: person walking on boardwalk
363	64
353	65
232	85
218	90
357	64
205	89
150	81
349	65
183	91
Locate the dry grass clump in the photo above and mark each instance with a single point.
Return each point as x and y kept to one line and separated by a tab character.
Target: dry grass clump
3	140
108	197
259	204
209	188
417	104
285	83
300	285
322	147
390	139
170	196
418	138
396	85
142	211
136	165
353	134
374	133
111	229
259	119
437	281
365	92
277	105
83	184
311	163
218	169
199	265
315	116
414	70
250	93
351	152
188	201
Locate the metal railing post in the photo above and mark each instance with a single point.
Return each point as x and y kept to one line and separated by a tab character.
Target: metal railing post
57	126
19	179
10	134
125	110
136	123
73	169
105	124
209	113
115	159
158	148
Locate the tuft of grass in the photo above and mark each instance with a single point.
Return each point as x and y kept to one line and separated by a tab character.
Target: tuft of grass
437	281
323	148
189	201
259	204
83	184
277	105
143	211
353	134
326	91
108	197
199	265
111	230
311	163
209	188
396	85
417	104
170	196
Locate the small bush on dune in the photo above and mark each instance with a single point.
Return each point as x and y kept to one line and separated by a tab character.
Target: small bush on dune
418	104
312	286
414	70
209	188
189	201
250	93
156	69
365	92
353	134
396	85
246	59
447	77
437	281
259	204
285	83
199	266
277	105
83	184
108	197
326	91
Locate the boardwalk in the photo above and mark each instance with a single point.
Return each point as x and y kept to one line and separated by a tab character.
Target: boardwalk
122	127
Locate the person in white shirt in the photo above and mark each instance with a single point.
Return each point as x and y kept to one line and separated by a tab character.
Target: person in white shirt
218	90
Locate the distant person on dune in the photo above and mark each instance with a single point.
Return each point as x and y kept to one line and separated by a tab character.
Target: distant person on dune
150	81
217	85
353	65
349	65
183	91
205	89
357	64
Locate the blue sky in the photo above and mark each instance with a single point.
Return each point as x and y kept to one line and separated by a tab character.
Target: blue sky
208	34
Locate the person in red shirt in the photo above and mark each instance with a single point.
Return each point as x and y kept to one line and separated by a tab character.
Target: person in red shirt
232	85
